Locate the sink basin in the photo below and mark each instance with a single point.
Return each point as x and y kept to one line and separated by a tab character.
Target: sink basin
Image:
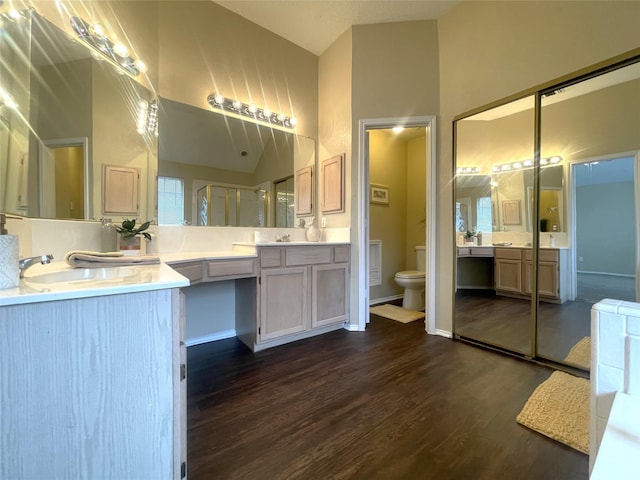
51	275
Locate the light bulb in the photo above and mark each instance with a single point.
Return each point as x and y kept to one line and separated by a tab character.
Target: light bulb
237	104
120	50
281	117
267	113
252	108
294	122
219	99
14	14
98	30
141	66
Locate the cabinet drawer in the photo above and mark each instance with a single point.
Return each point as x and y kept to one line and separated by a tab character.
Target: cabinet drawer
341	254
464	251
307	255
510	253
270	257
543	255
229	267
481	252
192	270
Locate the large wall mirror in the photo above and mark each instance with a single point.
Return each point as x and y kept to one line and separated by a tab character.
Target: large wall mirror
546	220
75	120
219	170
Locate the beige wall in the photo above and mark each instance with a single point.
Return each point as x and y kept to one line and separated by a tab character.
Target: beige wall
334	115
204	48
416	197
395	74
489	51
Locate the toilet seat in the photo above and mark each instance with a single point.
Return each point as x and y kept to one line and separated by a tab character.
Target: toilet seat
410	274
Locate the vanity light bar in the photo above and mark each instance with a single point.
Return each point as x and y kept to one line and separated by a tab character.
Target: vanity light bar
467	170
95	37
506	167
250	110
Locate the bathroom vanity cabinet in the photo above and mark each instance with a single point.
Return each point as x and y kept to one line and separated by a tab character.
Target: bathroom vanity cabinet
303	291
514	267
94	387
283	292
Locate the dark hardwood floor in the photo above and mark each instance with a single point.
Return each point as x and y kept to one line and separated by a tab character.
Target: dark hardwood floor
388	403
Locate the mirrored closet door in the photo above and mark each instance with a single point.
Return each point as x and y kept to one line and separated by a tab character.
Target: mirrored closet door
546	202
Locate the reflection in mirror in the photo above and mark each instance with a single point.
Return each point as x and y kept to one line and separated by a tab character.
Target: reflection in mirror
473	203
491	305
82	115
586	226
597	258
231	172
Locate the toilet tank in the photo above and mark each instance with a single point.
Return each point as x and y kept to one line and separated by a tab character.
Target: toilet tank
421	258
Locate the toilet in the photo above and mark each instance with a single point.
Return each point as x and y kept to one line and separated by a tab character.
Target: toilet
413	282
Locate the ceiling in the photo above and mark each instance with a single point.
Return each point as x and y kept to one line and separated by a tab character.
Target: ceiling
316	24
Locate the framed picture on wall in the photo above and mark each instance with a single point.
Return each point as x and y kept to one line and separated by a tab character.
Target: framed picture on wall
379	194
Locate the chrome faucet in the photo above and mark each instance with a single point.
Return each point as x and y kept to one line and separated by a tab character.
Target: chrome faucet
25	263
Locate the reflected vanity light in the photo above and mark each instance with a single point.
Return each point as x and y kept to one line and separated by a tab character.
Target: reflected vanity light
14	15
6	100
117	53
507	167
147	118
467	170
251	111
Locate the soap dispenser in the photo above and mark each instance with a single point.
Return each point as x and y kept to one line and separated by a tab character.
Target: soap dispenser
9	272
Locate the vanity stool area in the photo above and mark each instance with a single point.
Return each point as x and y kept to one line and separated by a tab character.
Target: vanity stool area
283	291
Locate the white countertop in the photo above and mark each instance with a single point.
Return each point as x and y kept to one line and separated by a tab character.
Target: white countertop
618	454
114	280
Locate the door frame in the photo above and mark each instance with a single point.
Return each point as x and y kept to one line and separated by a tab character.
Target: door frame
429	123
571	215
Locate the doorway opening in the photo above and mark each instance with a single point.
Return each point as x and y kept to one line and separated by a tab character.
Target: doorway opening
428	123
605	257
64	179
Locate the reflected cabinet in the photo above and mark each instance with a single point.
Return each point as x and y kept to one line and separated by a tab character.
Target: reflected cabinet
540	187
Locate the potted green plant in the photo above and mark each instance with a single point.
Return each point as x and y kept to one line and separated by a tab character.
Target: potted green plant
130	236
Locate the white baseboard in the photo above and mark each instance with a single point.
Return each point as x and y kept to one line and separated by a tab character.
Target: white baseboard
376	301
350	327
189	342
443	333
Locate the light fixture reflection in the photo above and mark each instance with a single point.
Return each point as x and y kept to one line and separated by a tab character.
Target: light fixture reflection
251	111
507	167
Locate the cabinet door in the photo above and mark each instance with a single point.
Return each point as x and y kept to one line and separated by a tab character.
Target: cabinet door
120	187
548	285
330	294
508	275
283	302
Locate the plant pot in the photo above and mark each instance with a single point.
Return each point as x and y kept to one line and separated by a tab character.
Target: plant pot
130	246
